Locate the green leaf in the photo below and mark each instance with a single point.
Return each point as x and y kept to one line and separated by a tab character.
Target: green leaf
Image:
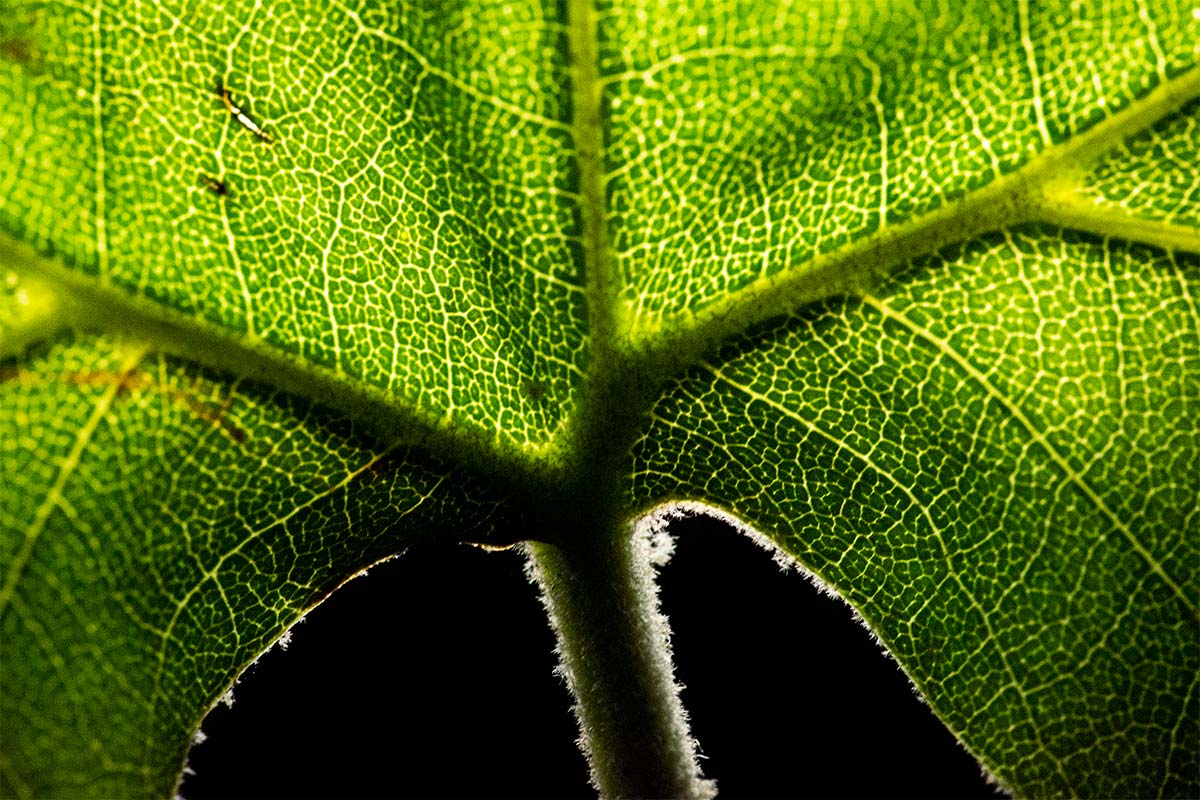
909	290
999	493
163	525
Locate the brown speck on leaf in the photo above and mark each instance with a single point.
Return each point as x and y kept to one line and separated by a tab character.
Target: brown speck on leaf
534	390
21	50
385	466
19	42
140	381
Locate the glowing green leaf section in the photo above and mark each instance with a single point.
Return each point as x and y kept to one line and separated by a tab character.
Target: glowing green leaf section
750	137
408	223
994	460
162	525
909	287
1154	175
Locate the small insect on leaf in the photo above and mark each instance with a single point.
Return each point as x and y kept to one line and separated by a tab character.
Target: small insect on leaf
240	114
214	185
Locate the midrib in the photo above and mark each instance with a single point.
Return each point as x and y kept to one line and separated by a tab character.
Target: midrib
588	137
594	449
90	304
621	354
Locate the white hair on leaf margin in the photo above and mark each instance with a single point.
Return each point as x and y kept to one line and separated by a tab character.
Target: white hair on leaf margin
656	523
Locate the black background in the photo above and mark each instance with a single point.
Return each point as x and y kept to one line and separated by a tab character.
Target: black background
432	677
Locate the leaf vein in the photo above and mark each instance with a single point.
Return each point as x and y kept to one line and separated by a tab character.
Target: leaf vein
66	469
924	511
1036	434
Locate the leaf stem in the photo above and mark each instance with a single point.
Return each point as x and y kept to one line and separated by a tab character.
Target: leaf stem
615	649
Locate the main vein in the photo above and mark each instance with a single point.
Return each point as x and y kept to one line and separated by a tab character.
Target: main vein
91	305
588	134
595	450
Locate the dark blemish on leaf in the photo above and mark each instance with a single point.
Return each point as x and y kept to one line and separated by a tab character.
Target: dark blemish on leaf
241	115
18	42
534	390
214	185
125	382
385	466
140	381
21	50
237	434
217	418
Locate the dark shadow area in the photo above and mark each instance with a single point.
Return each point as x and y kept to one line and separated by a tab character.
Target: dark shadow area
432	678
787	692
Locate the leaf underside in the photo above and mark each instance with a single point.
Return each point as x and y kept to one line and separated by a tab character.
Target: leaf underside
910	289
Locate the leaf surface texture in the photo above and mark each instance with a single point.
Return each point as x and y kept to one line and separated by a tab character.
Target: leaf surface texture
911	288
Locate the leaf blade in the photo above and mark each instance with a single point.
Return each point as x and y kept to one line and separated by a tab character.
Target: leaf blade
1001	566
127	639
419	249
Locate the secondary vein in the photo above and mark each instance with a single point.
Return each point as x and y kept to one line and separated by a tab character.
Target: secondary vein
91	306
1033	193
1018	414
66	468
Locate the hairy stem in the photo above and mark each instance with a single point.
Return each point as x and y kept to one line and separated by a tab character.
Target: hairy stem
614	645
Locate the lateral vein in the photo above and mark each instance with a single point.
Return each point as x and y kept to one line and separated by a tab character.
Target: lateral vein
67	468
1025	422
1032	193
